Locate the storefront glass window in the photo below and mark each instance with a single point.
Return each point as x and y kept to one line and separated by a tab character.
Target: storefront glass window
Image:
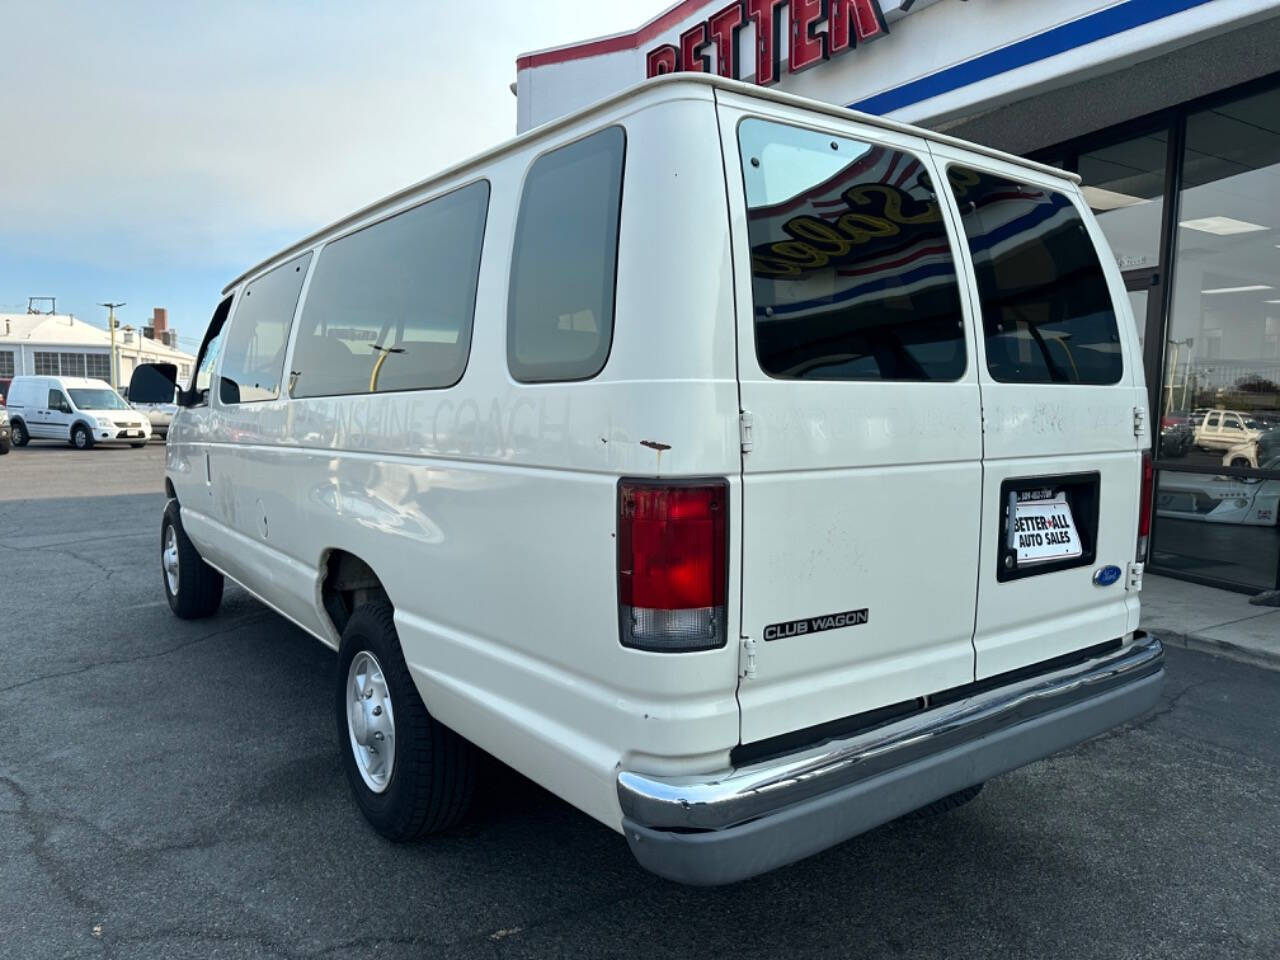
1222	351
1220	400
1124	184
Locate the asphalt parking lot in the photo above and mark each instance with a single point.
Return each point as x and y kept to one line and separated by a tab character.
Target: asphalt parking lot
172	789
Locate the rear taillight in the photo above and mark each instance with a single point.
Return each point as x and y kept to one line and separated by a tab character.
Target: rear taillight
1144	506
672	572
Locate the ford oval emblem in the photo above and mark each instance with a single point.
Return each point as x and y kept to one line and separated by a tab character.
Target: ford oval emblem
1106	576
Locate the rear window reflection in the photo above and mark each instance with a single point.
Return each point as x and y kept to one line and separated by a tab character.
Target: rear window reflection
1047	314
852	273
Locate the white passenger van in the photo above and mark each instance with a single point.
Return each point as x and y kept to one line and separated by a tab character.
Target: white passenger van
80	411
746	471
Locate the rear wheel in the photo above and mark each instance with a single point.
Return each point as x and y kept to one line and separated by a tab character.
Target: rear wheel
946	804
192	587
19	432
138	445
81	437
1240	462
410	774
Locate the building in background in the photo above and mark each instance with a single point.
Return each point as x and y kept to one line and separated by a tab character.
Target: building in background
60	344
1168	109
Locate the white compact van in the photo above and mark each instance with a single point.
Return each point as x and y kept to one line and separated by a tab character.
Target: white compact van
746	471
79	410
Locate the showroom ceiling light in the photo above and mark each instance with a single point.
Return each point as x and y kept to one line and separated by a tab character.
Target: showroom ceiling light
1101	200
1221	226
1248	289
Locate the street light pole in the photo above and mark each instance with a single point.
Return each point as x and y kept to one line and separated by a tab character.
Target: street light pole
111	323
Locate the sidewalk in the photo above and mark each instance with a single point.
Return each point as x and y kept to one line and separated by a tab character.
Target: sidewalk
1216	621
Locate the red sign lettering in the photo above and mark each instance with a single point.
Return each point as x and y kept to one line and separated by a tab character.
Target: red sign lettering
806	48
691	43
819	29
853	22
660	60
725	27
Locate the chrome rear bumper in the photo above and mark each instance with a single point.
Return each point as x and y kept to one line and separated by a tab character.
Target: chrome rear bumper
754	818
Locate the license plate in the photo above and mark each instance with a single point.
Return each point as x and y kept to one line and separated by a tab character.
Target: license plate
1044	529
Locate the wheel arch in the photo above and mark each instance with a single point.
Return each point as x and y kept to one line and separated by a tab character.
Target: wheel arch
346	582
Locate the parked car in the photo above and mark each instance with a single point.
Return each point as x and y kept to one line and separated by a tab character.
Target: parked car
1220	499
6	437
1253	452
1223	429
160	415
79	410
661	475
1176	437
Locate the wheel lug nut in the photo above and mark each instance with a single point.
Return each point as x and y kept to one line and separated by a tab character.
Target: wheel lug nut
378	736
377	711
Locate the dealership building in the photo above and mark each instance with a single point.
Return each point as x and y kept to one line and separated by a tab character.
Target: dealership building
58	344
1170	112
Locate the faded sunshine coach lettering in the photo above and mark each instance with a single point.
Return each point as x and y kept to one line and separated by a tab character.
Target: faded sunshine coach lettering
712	46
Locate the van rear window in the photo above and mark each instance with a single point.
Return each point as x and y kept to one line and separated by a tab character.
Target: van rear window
564	262
852	273
1047	314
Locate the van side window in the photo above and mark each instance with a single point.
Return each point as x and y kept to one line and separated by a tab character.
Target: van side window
253	347
564	265
852	276
1046	311
391	306
58	401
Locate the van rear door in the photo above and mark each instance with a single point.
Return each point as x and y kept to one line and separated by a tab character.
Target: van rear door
1063	406
862	470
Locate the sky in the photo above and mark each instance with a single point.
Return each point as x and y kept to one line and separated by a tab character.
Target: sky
150	152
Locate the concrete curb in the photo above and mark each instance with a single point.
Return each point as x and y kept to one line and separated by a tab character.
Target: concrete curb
1220	648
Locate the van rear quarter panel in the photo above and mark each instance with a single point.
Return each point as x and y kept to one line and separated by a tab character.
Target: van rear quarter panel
488	510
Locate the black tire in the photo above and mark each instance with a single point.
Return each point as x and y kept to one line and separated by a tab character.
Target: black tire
138	446
1240	463
946	804
81	437
18	430
199	592
4	448
433	775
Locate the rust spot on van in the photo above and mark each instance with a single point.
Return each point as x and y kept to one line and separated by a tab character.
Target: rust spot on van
654	445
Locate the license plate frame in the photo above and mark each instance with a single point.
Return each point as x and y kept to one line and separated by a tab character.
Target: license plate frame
1080	494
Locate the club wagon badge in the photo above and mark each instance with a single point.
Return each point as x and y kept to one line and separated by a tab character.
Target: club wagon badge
799	628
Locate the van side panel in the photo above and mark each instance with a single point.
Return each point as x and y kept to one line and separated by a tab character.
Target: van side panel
488	510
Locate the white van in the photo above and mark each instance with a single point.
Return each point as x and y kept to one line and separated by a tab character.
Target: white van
746	471
79	410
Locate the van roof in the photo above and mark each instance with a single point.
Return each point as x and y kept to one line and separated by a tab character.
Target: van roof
672	81
67	382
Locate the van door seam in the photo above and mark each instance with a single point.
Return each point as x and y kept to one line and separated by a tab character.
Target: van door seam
737	369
